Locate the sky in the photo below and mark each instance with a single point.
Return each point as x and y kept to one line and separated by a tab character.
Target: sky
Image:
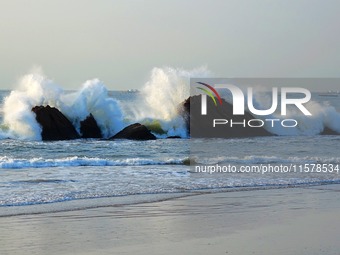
120	41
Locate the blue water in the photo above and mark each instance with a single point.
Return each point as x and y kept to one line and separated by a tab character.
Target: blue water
36	172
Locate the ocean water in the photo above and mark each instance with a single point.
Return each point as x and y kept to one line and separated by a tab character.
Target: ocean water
33	172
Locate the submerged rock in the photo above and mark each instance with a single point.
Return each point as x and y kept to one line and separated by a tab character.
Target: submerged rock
154	126
89	128
55	126
199	125
328	131
174	137
135	131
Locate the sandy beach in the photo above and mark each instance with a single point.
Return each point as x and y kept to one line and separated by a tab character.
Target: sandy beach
274	221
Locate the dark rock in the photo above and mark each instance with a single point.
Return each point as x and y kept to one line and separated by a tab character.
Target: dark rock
202	125
184	111
89	128
174	137
328	131
135	131
55	126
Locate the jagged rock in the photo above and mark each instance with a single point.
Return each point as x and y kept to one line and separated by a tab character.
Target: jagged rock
201	125
89	128
184	111
135	131
55	126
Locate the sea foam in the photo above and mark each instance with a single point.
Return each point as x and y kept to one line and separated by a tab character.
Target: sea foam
75	161
161	96
158	101
35	89
323	115
156	106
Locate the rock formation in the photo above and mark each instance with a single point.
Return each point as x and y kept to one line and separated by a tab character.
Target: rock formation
55	126
89	128
135	131
202	125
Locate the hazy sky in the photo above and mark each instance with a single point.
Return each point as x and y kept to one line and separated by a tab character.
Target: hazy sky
120	41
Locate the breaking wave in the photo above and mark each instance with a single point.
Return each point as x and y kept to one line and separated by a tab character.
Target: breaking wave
156	105
75	161
35	89
324	116
17	163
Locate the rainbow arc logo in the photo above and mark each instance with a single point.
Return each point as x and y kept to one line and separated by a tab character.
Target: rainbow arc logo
210	92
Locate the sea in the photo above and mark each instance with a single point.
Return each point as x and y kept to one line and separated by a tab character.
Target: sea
45	176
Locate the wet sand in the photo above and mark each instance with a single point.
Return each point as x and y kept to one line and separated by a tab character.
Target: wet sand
276	221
